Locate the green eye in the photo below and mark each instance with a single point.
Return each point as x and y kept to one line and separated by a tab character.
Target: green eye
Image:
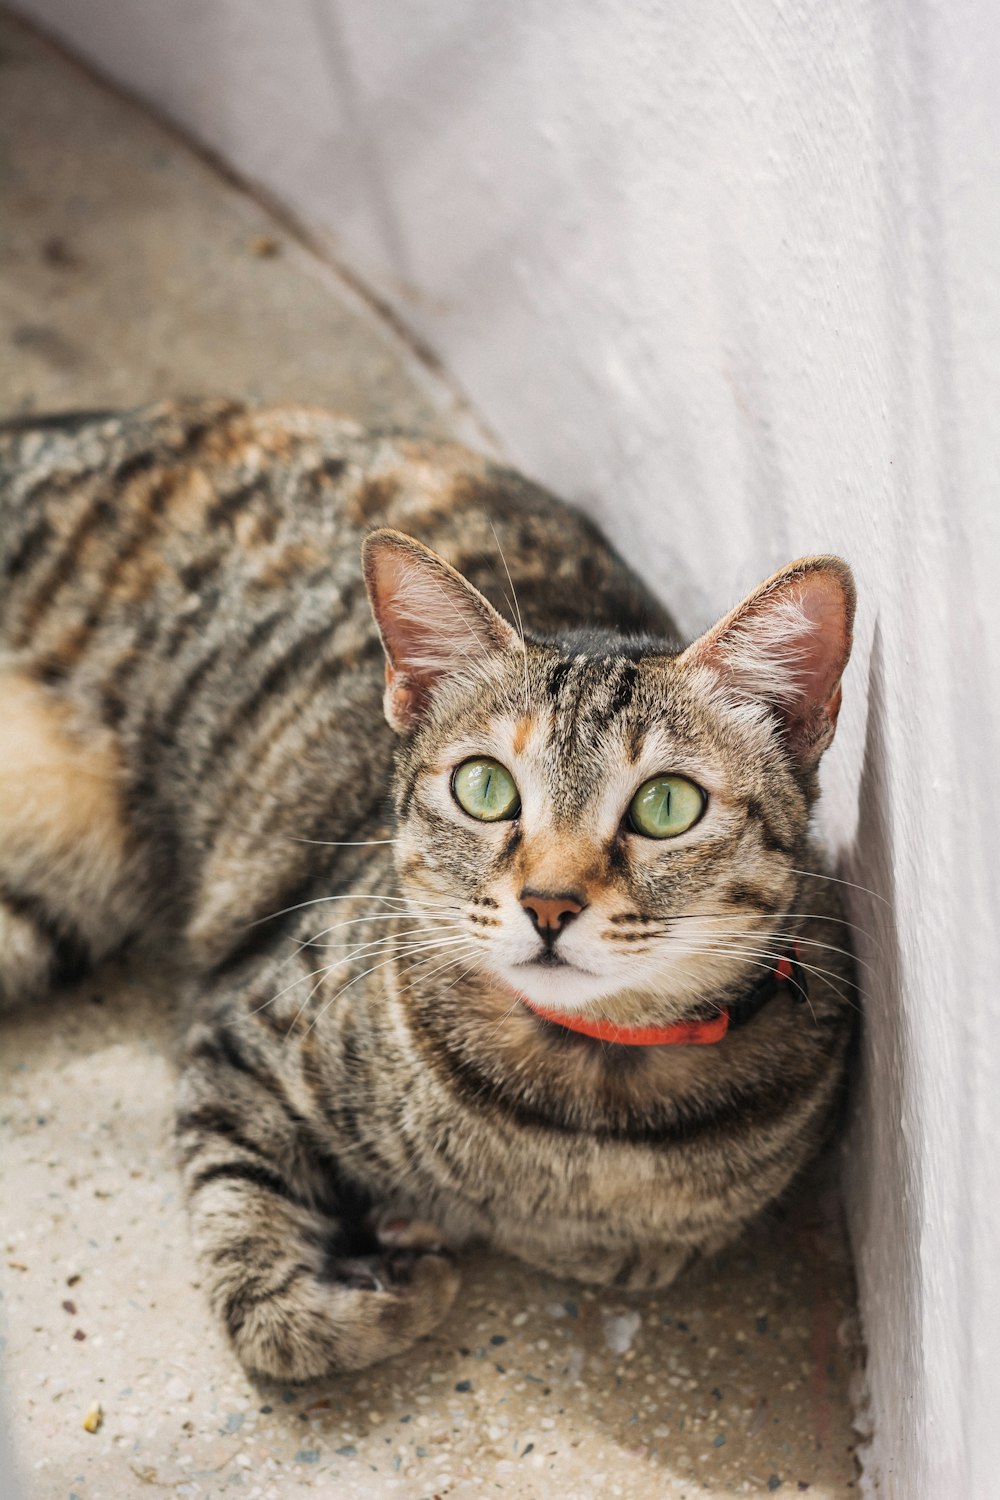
666	806
486	790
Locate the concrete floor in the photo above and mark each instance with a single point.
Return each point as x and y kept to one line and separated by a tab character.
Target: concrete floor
128	269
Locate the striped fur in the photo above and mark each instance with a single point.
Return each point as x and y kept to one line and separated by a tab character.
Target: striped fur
186	634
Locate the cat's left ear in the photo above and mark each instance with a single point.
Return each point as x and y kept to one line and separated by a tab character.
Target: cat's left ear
431	620
787	645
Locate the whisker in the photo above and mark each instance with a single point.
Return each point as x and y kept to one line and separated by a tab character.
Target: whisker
342	843
386	937
753	955
400	901
788	938
365	921
752	916
357	979
323	970
295	1019
319	900
517	611
515	1002
867	890
457	959
436	920
726	949
301	980
330	969
465	972
803	994
358	950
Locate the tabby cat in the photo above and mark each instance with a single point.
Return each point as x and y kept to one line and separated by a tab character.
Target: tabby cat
498	908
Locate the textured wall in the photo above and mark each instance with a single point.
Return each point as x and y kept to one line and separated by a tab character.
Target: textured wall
729	276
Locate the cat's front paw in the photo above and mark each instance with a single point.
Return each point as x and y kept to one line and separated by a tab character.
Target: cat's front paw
632	1268
359	1310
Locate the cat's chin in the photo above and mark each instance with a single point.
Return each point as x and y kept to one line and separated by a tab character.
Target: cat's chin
561	987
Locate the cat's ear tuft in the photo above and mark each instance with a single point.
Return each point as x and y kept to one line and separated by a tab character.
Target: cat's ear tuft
787	646
432	622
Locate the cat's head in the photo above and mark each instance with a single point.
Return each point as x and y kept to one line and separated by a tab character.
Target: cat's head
613	830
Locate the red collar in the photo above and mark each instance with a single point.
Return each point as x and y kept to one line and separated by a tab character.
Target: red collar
788	970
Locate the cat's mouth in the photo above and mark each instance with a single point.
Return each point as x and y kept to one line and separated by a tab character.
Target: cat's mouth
549	959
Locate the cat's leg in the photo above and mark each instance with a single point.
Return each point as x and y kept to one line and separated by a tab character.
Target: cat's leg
306	1277
66	897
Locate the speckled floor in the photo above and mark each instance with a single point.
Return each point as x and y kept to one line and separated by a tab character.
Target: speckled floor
127	270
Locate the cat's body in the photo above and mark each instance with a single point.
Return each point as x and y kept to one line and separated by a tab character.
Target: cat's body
192	742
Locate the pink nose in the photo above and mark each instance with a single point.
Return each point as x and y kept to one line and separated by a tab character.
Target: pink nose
549	913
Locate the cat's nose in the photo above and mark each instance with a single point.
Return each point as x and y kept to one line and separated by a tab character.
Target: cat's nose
550	912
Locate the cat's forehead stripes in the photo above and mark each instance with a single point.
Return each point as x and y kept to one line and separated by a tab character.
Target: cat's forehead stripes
586	730
592	731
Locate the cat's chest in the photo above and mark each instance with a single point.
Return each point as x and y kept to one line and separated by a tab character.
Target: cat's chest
525	1187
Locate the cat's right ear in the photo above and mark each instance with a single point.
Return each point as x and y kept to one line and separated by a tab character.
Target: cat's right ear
432	622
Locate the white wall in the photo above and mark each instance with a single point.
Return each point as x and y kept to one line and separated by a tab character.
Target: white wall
729	275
